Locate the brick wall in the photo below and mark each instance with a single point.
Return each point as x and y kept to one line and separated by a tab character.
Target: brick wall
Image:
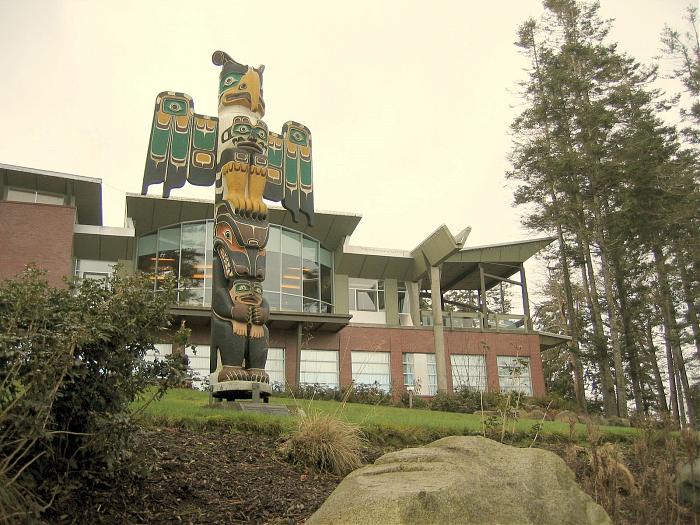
36	233
398	341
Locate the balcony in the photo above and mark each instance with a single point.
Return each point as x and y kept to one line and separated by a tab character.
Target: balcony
477	321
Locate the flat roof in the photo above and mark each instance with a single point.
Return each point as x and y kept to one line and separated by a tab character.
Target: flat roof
150	212
86	190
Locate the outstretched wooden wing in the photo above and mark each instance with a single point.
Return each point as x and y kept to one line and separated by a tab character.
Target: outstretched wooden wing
290	173
182	146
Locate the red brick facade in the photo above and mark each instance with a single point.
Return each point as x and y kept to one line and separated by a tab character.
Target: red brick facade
36	233
402	340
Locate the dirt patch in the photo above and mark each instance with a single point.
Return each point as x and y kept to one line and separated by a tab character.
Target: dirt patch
212	477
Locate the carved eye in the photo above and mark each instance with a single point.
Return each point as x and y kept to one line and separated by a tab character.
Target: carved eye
297	135
243	86
261	134
174	106
228	81
228	235
258	290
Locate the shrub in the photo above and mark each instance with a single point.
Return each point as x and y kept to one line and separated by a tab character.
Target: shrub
71	361
418	401
446	402
366	394
325	443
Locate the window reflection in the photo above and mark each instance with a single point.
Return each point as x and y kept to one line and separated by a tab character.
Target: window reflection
299	272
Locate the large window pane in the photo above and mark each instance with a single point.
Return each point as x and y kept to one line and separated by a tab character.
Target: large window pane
146	255
469	371
420	372
198	364
326	276
310	270
514	374
291	264
193	263
273	261
274	366
372	368
168	254
319	367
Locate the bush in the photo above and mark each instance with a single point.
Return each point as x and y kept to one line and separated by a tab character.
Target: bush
325	443
446	403
404	401
366	394
71	362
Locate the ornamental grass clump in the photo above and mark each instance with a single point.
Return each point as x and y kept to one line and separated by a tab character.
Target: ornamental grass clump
325	443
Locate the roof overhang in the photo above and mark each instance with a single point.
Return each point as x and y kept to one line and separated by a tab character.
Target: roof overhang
549	340
87	191
314	322
460	271
379	263
150	212
103	243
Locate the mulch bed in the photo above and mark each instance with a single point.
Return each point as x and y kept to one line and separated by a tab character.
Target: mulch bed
213	477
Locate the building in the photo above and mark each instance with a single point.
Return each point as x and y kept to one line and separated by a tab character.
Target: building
340	313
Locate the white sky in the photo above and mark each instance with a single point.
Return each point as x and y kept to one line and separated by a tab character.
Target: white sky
409	102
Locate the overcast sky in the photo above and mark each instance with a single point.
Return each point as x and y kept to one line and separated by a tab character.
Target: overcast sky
409	102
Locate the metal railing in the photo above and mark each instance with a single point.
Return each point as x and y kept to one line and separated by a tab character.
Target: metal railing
475	320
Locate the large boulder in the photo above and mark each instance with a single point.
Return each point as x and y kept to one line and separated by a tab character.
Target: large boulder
461	480
688	484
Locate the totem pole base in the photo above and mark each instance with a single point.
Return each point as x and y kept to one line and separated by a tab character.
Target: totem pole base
231	390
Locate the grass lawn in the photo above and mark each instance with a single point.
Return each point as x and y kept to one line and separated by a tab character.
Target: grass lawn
190	408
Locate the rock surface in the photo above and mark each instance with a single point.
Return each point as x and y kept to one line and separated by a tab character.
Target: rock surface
460	480
688	483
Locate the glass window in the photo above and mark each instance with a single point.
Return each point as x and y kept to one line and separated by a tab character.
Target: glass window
273	299
193	263
168	260
273	260
326	258
419	371
291	264
366	295
469	371
146	255
199	365
310	269
372	368
159	351
432	375
319	367
409	378
18	195
274	366
514	374
299	273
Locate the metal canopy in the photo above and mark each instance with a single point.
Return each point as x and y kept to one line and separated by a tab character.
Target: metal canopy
150	212
314	322
86	190
461	270
103	243
549	340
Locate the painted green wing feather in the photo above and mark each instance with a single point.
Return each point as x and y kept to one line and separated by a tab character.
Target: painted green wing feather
182	145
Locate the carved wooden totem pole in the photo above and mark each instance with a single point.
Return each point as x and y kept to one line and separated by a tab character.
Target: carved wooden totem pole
246	163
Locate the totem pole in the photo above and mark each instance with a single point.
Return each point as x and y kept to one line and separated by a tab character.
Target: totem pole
246	163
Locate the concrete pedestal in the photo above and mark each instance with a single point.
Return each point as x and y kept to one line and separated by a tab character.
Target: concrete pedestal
231	390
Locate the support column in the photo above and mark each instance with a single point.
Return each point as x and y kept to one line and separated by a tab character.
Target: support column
526	300
482	298
438	333
298	356
413	290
